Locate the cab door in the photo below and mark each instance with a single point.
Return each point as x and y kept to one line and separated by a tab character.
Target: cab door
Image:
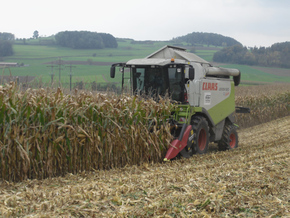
176	82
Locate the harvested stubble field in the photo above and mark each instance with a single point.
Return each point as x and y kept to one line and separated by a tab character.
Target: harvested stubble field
251	181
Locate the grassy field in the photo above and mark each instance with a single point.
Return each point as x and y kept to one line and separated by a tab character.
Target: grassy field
253	74
35	56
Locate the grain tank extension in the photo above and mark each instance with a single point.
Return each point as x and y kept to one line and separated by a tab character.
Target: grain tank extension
205	96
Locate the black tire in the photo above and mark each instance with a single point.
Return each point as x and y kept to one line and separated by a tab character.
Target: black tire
201	137
229	138
198	138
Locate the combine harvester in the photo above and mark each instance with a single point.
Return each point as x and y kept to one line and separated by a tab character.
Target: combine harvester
205	96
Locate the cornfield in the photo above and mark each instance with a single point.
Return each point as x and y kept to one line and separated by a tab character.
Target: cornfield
267	102
250	181
47	134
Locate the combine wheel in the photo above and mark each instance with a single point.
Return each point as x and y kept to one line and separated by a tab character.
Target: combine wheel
201	139
198	139
229	138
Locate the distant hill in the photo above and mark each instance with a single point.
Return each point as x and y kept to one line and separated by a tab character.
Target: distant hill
223	49
90	40
214	39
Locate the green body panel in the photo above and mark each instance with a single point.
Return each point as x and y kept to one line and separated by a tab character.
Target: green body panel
186	111
217	113
224	108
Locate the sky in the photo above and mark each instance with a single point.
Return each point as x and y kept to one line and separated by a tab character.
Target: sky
251	22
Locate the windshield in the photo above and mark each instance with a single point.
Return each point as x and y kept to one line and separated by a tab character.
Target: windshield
154	81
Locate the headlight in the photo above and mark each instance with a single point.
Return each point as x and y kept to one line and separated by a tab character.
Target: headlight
182	119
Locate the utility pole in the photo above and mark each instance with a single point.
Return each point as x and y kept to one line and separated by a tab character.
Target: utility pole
52	73
70	75
60	63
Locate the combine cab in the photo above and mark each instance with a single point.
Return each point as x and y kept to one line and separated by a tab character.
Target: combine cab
205	96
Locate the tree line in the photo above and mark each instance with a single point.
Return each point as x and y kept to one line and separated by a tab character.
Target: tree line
85	40
6	48
277	55
214	39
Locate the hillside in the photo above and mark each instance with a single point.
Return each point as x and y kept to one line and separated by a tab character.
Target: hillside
50	64
95	63
250	181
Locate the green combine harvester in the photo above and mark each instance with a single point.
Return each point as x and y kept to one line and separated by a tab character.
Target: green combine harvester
205	96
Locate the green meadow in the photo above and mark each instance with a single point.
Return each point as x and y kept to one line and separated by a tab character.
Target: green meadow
250	74
35	59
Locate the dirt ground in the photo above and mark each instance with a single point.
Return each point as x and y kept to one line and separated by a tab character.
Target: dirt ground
250	181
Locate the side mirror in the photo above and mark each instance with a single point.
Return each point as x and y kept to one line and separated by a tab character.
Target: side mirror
237	79
112	71
191	73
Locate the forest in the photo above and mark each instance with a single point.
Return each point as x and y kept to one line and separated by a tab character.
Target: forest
85	40
277	55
